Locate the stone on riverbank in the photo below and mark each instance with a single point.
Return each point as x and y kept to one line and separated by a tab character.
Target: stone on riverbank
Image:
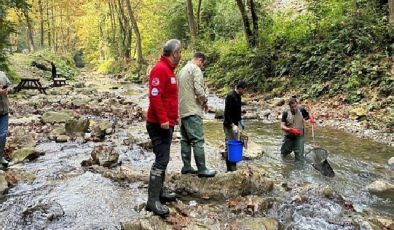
243	182
381	187
56	117
24	154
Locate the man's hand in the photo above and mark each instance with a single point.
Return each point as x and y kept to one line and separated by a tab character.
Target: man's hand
165	125
294	131
235	128
311	120
178	121
3	91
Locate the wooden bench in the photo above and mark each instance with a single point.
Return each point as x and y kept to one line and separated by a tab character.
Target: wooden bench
58	81
30	83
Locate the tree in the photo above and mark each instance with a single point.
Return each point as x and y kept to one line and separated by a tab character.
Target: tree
140	59
391	11
191	20
251	35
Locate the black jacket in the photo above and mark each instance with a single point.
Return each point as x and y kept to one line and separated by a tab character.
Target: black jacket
232	109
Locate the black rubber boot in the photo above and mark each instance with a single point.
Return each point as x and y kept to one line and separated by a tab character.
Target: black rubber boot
231	166
166	196
154	189
203	171
190	170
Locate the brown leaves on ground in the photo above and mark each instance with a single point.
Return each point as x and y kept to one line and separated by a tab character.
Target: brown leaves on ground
177	220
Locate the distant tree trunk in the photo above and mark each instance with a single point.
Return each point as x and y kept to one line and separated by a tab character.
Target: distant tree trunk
127	31
41	9
48	26
198	15
30	38
391	11
255	20
191	20
248	32
140	59
53	27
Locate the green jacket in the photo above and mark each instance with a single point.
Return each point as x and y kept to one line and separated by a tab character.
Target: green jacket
192	92
4	103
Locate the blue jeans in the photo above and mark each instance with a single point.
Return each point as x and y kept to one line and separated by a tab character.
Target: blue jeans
3	131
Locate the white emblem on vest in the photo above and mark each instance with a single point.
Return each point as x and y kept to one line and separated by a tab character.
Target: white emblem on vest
155	92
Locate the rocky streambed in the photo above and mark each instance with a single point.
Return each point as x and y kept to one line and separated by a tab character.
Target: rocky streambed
81	158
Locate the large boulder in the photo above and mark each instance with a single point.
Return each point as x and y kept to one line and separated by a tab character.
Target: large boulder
251	180
24	154
100	129
80	126
56	117
253	152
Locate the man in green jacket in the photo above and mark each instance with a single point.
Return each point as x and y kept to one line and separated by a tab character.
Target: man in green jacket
192	101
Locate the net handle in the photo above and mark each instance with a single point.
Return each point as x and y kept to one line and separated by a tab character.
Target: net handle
313	131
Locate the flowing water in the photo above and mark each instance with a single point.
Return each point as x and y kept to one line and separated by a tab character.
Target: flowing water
57	193
356	162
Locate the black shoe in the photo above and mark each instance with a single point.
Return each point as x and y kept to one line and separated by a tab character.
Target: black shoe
207	173
157	208
167	197
188	171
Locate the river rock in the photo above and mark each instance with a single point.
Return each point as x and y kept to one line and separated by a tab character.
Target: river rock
21	137
251	204
380	187
251	180
366	225
100	129
3	183
151	223
80	126
103	155
24	154
56	132
256	223
383	223
358	113
56	117
391	163
250	116
62	138
219	114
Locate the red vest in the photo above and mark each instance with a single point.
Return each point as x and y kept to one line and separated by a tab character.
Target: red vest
163	93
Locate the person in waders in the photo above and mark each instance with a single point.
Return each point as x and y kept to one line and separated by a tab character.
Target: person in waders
193	100
292	125
6	88
161	118
232	118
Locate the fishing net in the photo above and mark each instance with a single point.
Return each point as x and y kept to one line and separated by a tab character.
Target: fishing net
317	157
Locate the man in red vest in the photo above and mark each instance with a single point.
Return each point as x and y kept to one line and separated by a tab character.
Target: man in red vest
161	118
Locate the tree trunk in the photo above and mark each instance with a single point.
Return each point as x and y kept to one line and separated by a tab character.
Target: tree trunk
126	31
391	11
48	26
140	59
53	28
198	15
41	9
255	20
191	20
30	38
245	20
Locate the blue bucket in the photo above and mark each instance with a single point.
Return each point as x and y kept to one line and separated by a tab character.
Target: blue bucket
235	149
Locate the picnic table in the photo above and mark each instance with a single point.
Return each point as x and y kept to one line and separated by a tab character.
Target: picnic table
30	83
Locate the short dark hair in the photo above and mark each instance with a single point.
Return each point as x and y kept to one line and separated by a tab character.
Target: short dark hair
198	55
292	100
240	84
